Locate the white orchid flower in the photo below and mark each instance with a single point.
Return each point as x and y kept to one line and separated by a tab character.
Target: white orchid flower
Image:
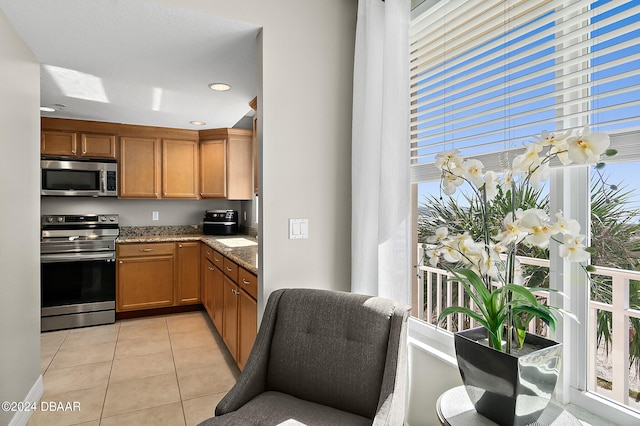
472	170
434	257
527	160
506	180
491	184
567	226
448	160
517	272
573	249
488	266
539	175
587	147
539	230
440	235
551	139
511	231
451	180
450	254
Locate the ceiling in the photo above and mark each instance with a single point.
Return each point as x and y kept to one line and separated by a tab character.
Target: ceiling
134	62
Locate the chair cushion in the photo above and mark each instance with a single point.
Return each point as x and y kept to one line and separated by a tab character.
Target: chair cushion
274	408
330	348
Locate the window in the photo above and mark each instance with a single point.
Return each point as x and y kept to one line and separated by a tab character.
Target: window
489	75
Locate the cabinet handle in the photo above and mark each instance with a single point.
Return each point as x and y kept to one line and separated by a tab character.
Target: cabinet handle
228	269
179	245
84	152
120	262
234	291
245	282
208	252
73	152
146	249
210	268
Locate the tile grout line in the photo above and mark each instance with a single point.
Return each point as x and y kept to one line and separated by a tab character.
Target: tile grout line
106	391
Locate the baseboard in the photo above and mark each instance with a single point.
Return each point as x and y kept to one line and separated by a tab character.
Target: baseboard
21	418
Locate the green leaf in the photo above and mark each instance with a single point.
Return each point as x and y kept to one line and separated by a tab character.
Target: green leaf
590	268
591	250
611	152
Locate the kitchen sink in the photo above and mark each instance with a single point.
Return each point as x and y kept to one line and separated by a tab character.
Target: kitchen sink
237	242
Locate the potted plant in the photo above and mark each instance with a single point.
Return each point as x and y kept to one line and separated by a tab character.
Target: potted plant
506	381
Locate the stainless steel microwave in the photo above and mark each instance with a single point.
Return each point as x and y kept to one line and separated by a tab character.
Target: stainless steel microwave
79	178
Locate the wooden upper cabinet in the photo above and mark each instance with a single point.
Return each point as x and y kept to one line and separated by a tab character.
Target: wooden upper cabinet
139	167
213	168
237	167
103	146
63	143
179	169
58	143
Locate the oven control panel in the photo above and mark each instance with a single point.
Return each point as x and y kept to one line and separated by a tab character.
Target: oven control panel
87	219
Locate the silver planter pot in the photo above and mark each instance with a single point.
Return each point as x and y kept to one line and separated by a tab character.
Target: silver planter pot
510	389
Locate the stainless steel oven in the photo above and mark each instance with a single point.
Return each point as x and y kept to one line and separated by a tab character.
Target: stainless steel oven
78	272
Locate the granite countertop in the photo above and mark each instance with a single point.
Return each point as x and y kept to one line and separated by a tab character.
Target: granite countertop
245	256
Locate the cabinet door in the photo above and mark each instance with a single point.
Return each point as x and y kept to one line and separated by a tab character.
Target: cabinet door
213	169
247	326
239	168
217	299
103	146
145	282
207	285
230	324
179	169
188	276
139	167
58	143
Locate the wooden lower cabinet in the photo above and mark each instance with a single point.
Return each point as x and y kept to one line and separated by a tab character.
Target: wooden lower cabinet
230	324
247	326
145	276
188	273
157	275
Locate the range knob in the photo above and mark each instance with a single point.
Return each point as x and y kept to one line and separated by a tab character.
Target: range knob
60	219
112	218
49	219
102	219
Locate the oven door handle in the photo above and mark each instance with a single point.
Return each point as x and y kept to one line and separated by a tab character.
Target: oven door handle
76	257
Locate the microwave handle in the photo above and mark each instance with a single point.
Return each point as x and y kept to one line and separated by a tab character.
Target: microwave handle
102	179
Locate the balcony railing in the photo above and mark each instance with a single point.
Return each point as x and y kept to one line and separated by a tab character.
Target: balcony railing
609	373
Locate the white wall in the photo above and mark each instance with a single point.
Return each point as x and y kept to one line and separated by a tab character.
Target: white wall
19	218
304	112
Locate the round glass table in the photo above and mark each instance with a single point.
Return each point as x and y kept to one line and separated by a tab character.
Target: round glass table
454	408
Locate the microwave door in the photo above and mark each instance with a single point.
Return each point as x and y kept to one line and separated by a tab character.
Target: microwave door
67	182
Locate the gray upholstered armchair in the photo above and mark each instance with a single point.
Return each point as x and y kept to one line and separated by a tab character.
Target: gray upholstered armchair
322	358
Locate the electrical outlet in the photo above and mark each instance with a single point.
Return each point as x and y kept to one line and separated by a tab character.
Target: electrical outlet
155	215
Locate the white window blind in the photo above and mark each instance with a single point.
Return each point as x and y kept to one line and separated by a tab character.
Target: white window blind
487	75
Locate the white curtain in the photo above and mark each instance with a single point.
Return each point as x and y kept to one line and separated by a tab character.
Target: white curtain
380	252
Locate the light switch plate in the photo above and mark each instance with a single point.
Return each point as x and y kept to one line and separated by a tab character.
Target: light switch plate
298	229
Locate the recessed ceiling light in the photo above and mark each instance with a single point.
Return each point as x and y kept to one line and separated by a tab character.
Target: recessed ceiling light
47	109
219	87
198	123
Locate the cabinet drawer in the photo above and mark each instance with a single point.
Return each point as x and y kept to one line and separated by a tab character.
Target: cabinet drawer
207	252
218	260
248	282
231	269
145	249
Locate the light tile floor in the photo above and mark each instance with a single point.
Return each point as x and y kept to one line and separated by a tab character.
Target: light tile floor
164	370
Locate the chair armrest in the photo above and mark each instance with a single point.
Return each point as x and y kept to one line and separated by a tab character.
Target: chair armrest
391	405
252	380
